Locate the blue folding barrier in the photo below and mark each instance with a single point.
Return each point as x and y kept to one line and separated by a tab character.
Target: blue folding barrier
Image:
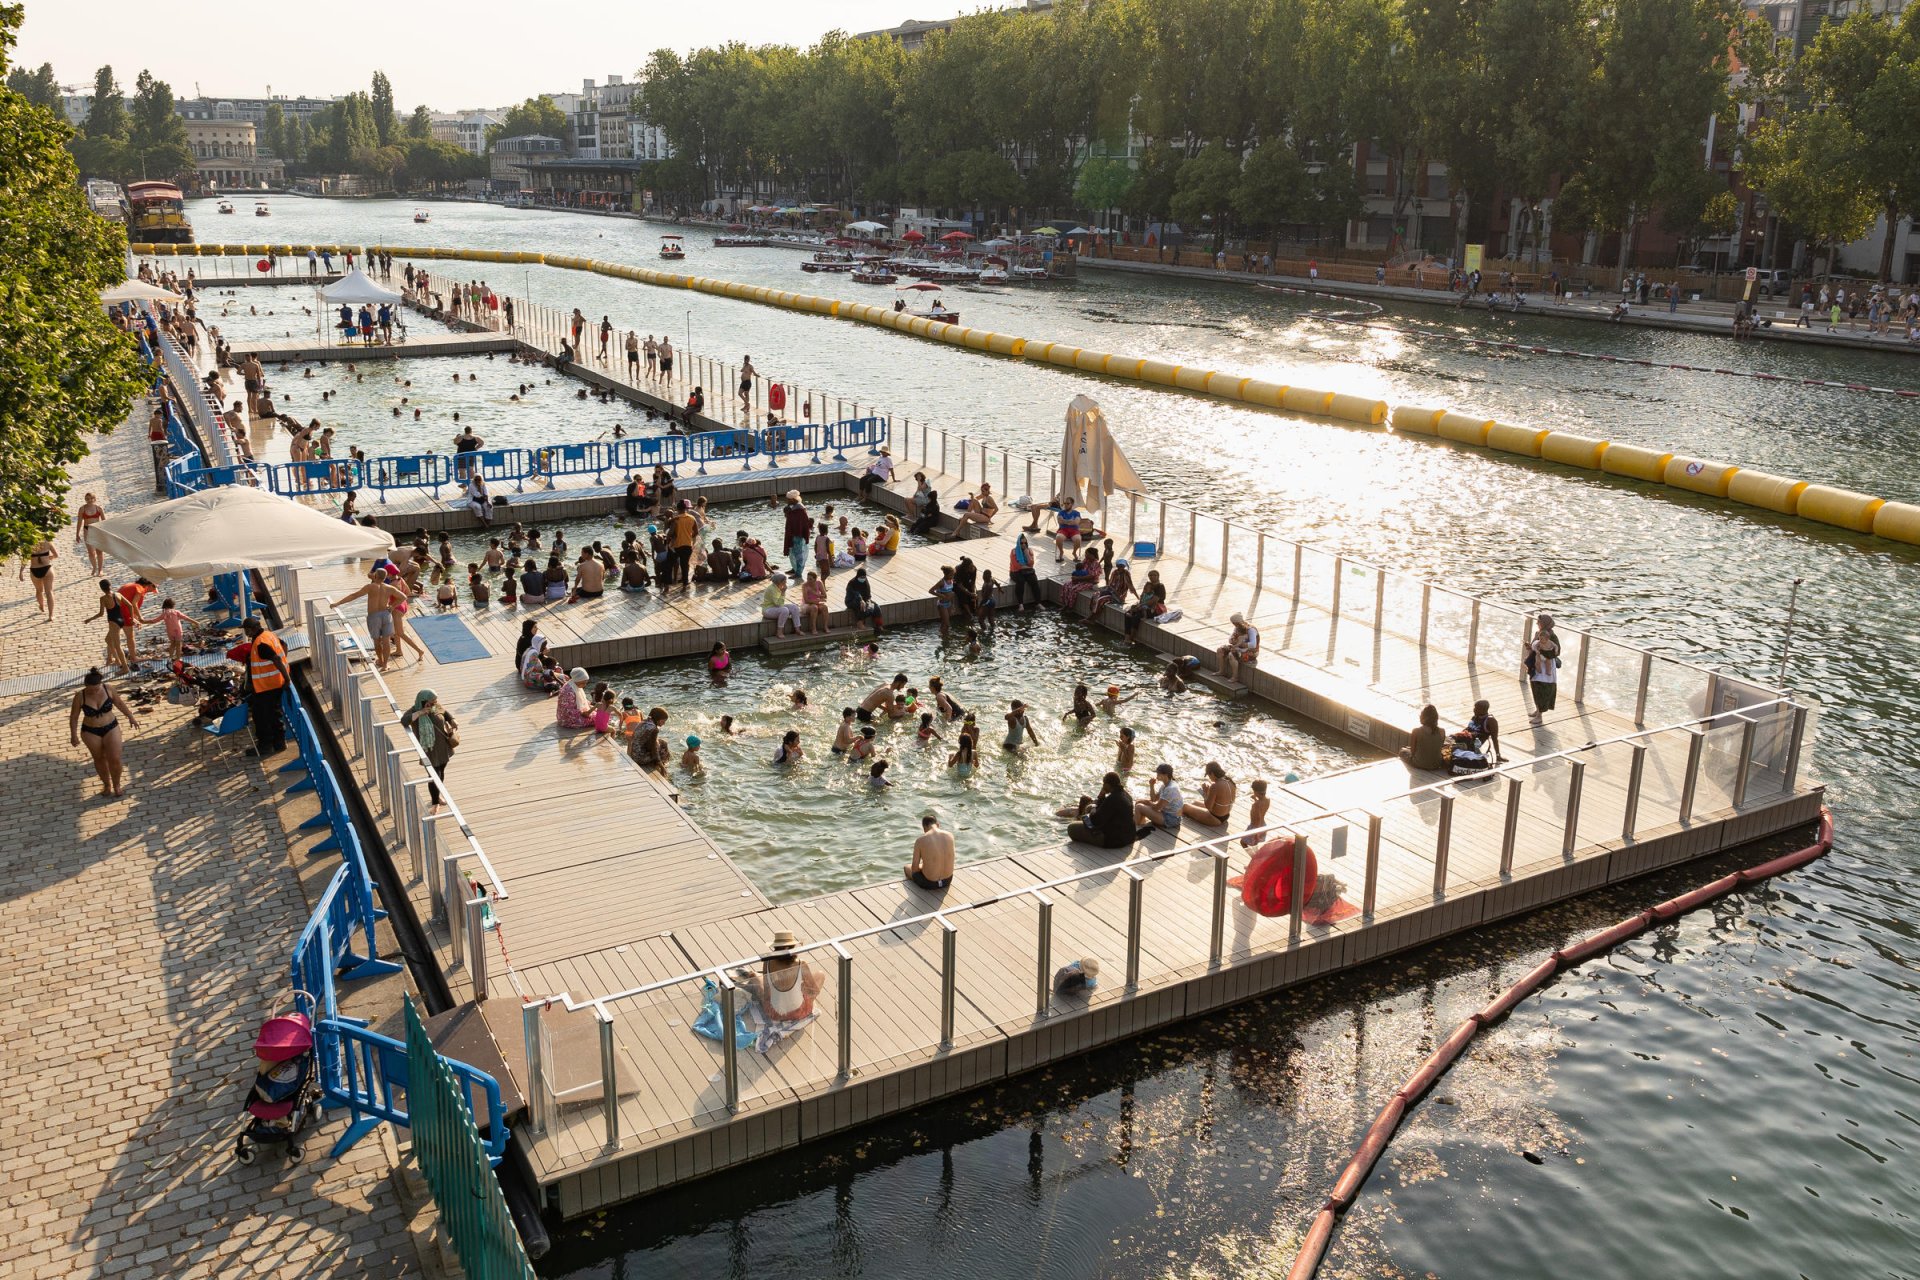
338	475
648	452
367	1073
495	466
411	471
859	433
572	460
715	446
778	442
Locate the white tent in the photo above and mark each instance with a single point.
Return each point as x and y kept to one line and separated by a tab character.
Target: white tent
354	288
1091	460
230	528
866	228
135	291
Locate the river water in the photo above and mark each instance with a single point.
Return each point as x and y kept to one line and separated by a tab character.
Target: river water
1731	1095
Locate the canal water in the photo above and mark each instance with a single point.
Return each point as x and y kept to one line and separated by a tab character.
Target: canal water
1730	1095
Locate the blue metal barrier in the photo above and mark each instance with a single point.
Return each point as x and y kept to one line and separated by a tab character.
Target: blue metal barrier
367	1073
778	442
715	446
410	471
572	460
495	465
336	475
650	452
857	433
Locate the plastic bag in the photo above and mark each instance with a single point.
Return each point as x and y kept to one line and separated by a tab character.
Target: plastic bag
707	1021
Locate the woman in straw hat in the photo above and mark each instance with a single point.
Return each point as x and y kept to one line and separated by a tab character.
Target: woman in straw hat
786	984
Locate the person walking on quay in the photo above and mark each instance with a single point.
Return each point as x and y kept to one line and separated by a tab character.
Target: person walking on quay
682	530
746	383
381	597
799	531
666	358
1543	667
90	514
267	678
577	326
1020	572
606	336
651	350
40	560
91	720
633	356
434	728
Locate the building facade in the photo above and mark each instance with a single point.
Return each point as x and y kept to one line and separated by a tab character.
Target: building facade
226	157
513	160
250	109
465	129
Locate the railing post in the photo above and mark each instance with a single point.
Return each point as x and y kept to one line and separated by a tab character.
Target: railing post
1691	783
1339	574
1713	693
610	1073
1043	958
1226	545
949	977
1029	493
1510	833
1371	895
412	833
843	1007
530	1033
1747	727
1640	699
1426	611
1299	554
1379	604
451	886
729	1051
1793	750
1193	530
1442	844
1580	672
1136	889
1576	780
1473	633
1160	547
1636	772
1217	929
1133	510
1259	558
1297	891
477	946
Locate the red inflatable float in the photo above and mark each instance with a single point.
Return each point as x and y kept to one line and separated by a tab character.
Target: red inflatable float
1267	883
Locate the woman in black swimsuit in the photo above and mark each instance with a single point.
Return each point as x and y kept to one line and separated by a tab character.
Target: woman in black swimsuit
91	719
113	611
40	560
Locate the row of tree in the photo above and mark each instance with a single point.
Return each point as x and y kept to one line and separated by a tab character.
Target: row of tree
120	139
1246	111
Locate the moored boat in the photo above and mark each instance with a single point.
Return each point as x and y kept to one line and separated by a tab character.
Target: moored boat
225	206
156	214
873	271
419	215
670	248
260	210
834	260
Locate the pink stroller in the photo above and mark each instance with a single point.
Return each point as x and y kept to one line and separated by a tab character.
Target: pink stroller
285	1096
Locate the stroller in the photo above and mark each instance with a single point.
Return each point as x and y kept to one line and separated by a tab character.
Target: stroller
285	1097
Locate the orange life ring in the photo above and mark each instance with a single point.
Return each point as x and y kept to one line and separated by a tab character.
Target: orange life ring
1267	884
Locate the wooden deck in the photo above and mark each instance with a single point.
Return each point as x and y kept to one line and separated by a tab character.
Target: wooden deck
611	887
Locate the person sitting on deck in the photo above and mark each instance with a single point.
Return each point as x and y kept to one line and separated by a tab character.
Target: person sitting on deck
571	708
633	573
1486	731
981	509
1242	647
878	472
1162	809
932	865
753	559
646	748
1426	742
860	601
1105	820
1216	799
1067	537
786	985
775	609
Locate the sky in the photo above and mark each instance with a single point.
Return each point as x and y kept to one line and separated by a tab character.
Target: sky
475	53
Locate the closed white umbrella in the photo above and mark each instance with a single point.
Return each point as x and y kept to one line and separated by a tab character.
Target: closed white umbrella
230	528
354	287
1093	458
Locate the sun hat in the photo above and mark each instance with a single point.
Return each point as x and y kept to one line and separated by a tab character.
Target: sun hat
793	495
785	941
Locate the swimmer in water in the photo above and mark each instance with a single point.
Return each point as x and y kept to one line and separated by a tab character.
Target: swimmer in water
1113	701
1123	759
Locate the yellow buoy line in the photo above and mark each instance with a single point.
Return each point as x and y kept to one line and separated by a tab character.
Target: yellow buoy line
1824	504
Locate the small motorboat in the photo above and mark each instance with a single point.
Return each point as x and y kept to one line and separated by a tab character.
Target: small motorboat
260	210
991	274
419	215
830	260
226	206
670	248
740	241
935	308
873	271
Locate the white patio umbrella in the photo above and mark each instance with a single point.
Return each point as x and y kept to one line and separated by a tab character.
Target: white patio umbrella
355	288
230	528
134	291
1091	463
866	228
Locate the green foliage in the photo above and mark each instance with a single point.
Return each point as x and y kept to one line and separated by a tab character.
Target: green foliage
37	87
384	125
1811	165
271	137
68	373
107	117
157	135
426	162
420	123
1205	186
130	141
534	116
1105	182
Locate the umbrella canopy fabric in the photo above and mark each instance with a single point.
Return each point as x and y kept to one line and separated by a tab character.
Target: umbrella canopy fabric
231	527
134	291
354	287
867	228
913	235
957	235
1090	459
1046	231
1077	231
996	243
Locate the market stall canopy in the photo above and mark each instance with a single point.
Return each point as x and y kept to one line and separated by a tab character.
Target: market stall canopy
866	228
1046	231
1091	463
231	527
354	287
134	291
1077	231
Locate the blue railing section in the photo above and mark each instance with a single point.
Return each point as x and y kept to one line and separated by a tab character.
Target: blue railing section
367	1073
543	463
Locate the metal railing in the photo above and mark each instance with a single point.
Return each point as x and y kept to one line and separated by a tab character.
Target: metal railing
1542	807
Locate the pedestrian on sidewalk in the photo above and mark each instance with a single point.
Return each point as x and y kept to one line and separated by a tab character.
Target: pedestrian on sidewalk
91	720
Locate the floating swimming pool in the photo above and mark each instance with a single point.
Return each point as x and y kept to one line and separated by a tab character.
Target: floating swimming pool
817	826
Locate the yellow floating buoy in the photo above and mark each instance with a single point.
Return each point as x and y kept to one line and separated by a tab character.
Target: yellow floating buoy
1635	462
1899	521
1417	420
1700	475
1463	428
1839	507
1572	450
1508	438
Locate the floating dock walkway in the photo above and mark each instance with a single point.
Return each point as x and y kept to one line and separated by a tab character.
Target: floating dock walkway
614	909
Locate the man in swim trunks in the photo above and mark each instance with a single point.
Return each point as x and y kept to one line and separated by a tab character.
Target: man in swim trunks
932	865
883	694
381	596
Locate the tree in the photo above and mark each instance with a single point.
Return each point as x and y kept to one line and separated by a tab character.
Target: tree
420	124
1204	188
1274	188
534	116
273	131
158	138
1105	182
1810	164
68	373
37	87
384	124
107	117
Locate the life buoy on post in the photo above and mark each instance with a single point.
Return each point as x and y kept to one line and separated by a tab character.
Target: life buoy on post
1267	884
776	397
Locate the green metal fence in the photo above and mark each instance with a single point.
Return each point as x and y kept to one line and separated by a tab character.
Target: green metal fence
454	1161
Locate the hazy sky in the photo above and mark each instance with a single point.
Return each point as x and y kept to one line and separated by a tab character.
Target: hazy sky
475	53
